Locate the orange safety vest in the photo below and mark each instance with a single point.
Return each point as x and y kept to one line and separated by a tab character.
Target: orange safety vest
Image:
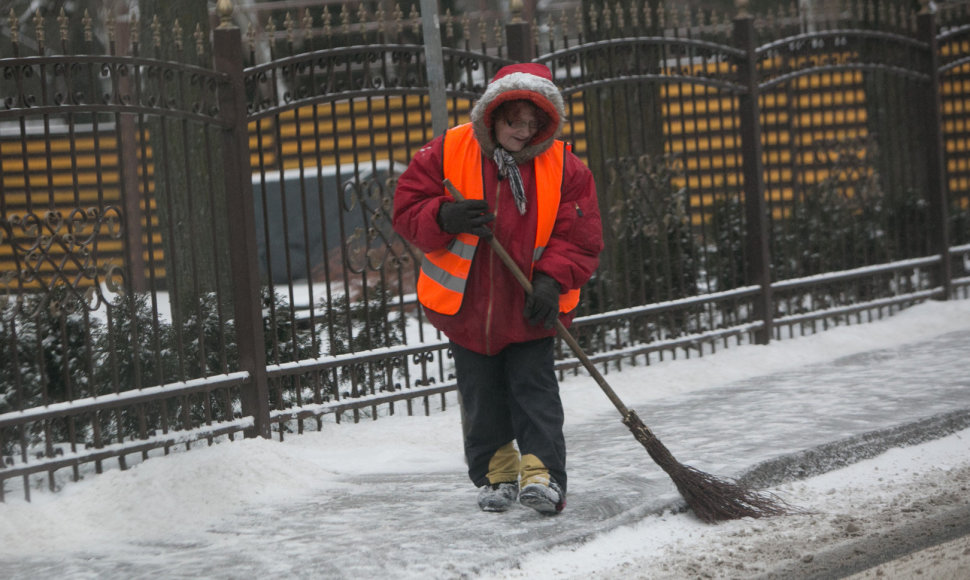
444	272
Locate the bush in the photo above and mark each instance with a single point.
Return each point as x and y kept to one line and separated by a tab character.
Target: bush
54	350
650	221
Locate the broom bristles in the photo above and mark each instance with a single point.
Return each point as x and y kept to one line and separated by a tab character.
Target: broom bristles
711	498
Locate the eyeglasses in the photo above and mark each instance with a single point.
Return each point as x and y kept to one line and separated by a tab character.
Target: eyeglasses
517	125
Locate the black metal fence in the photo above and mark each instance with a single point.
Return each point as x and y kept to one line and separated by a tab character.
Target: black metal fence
197	252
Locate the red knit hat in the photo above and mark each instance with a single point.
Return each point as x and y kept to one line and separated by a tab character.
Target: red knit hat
525	82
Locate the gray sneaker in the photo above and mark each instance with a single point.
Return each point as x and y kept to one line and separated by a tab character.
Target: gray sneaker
498	497
545	499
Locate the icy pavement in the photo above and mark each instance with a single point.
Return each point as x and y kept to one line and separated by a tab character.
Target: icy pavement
418	524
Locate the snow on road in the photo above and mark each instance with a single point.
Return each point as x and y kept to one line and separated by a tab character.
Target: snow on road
869	499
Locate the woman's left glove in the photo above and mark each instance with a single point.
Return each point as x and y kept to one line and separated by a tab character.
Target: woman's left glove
543	304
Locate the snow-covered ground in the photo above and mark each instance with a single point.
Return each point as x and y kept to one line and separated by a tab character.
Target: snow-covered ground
867	499
389	497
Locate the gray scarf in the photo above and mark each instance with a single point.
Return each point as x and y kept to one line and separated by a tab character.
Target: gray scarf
508	169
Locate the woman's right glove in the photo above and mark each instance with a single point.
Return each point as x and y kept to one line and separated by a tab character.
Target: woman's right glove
465	217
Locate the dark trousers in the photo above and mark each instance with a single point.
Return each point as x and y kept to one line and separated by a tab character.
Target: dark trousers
513	395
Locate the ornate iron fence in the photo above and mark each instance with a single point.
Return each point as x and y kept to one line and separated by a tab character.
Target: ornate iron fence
194	252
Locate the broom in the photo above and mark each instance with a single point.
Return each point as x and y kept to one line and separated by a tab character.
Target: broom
711	498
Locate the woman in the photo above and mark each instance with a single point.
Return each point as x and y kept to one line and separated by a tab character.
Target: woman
538	199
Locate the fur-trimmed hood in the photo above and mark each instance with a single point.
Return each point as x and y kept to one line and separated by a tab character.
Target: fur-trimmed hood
528	81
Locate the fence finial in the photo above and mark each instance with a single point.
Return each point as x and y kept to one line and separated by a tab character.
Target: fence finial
515	7
224	9
14	27
742	6
927	7
62	22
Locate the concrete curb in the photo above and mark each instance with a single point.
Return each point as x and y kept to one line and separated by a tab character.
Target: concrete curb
838	454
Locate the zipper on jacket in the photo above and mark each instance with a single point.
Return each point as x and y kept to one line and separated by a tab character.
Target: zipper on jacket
491	279
488	310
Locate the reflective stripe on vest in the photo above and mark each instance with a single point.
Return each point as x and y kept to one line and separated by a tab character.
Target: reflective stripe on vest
459	254
444	272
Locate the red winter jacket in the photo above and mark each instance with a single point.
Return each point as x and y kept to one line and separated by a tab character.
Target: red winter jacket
491	316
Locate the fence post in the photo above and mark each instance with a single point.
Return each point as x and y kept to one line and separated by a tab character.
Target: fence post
247	307
518	35
434	59
128	165
756	215
936	194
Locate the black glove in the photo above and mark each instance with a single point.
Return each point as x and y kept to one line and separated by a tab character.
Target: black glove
543	304
465	217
